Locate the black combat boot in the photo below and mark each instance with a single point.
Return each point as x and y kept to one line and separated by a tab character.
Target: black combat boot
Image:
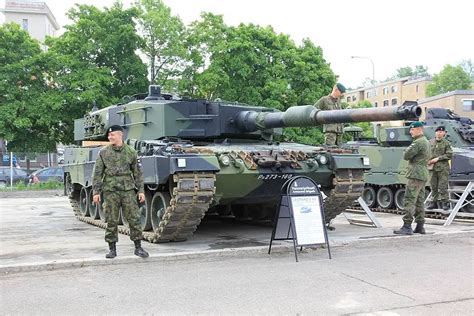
432	205
404	230
139	251
419	229
112	251
446	205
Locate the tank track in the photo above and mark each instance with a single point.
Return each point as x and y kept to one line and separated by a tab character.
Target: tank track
190	200
348	187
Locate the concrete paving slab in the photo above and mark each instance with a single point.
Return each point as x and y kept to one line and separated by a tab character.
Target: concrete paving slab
41	233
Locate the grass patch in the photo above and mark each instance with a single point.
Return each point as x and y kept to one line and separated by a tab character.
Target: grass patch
48	185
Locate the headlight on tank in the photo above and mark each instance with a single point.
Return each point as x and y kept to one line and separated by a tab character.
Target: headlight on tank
225	160
312	163
323	159
366	161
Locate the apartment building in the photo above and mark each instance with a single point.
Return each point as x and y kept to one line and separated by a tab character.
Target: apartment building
390	93
460	102
34	17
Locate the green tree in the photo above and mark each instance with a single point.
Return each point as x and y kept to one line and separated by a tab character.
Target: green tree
29	117
468	66
419	71
254	65
449	79
165	42
95	60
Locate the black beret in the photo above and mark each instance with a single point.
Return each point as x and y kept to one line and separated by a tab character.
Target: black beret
440	128
340	87
115	128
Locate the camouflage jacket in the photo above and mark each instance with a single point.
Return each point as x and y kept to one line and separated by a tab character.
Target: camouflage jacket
418	154
117	169
330	103
441	149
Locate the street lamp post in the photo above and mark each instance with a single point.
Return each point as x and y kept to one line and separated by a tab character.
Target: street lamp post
373	67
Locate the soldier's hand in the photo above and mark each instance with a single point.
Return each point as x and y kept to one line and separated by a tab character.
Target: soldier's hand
96	199
141	197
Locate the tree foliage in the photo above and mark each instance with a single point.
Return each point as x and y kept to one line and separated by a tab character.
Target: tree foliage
164	42
419	71
449	79
95	60
254	65
28	118
468	66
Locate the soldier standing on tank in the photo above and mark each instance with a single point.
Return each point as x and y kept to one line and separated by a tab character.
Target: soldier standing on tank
118	176
417	155
441	153
332	132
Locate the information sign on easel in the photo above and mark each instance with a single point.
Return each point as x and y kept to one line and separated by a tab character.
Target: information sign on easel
300	215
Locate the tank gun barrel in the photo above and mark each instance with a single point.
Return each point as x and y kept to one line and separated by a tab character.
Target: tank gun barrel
308	115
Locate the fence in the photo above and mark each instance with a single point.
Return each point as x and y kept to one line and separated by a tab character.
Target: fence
32	161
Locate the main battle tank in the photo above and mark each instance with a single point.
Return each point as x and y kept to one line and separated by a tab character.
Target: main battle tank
385	182
223	158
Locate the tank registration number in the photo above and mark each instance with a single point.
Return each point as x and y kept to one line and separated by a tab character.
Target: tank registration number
274	176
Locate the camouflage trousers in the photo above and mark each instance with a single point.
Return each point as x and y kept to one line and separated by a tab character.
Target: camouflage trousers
127	201
332	139
439	185
413	205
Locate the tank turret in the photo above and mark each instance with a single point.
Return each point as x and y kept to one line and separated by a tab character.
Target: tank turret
160	116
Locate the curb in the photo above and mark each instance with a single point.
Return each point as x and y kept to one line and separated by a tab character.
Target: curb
31	193
224	253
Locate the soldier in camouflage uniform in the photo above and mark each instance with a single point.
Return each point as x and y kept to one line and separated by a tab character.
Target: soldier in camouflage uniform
332	132
417	155
117	175
441	153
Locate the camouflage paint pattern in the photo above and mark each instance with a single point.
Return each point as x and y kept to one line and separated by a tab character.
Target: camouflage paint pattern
184	145
127	201
442	150
414	201
117	169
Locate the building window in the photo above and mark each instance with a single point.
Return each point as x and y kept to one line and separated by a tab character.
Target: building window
468	105
354	98
385	90
394	101
371	93
348	99
24	24
385	102
394	89
376	104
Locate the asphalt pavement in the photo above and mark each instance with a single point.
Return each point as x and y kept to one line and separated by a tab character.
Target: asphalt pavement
40	232
402	276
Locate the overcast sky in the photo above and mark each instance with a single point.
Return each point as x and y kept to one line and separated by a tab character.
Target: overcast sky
392	34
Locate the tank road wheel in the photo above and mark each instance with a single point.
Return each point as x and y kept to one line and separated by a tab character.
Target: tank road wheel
145	212
399	197
93	208
159	204
369	196
84	201
385	197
